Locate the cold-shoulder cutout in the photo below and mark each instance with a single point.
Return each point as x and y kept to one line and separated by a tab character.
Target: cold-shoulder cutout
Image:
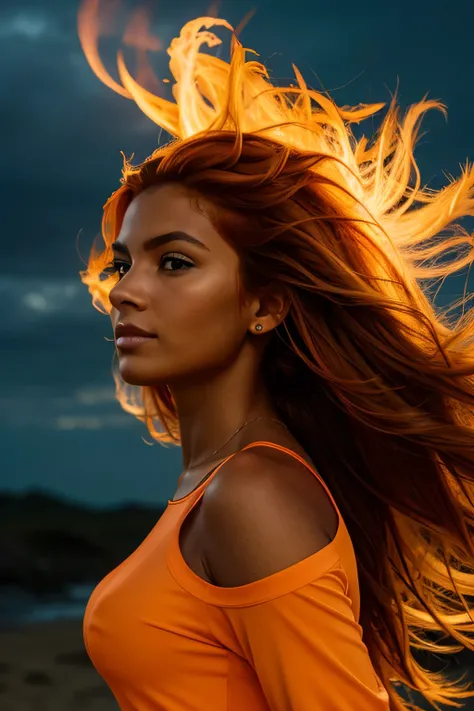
263	513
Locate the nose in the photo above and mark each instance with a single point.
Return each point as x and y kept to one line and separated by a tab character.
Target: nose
127	291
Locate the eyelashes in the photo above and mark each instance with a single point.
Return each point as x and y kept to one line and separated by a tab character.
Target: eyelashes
114	268
120	267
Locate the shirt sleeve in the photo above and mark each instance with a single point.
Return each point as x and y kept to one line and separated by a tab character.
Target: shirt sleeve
307	651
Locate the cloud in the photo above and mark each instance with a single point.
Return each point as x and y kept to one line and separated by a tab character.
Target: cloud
49	298
27	26
84	422
30	301
90	407
94	395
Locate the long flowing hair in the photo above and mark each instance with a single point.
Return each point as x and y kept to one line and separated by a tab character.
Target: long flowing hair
373	380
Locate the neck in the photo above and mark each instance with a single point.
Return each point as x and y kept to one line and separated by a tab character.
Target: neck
211	412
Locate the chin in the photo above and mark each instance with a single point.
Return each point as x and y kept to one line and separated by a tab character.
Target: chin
132	374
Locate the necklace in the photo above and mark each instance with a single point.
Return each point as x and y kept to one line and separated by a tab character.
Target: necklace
261	417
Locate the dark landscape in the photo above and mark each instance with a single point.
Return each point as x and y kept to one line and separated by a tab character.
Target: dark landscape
47	546
47	543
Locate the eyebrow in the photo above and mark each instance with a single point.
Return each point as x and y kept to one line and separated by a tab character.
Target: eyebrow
158	241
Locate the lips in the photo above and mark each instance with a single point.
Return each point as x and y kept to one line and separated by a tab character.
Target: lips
128	335
129	329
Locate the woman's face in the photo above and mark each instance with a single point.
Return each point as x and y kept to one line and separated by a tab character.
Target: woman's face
178	282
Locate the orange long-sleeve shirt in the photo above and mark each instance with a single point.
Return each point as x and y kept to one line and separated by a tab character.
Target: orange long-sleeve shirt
166	640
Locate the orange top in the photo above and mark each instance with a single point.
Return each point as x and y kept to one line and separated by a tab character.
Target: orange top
166	640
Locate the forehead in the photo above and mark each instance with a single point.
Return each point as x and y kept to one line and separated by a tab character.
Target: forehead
166	208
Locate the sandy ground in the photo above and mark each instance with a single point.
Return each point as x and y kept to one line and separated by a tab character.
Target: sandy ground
44	667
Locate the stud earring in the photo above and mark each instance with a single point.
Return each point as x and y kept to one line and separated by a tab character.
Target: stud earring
258	327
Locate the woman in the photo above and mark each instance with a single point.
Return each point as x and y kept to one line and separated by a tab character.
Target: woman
262	276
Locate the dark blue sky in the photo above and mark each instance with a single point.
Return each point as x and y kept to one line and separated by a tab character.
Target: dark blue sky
62	132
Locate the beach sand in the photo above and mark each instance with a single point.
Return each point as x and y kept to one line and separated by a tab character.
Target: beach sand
45	667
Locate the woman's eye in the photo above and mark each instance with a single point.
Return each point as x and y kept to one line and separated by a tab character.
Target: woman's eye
177	259
116	267
120	268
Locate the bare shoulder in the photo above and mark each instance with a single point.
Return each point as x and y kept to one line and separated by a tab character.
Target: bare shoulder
263	512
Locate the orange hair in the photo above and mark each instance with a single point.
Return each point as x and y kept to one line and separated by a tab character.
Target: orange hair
373	380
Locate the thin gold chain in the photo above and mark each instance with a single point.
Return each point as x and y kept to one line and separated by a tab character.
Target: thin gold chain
261	417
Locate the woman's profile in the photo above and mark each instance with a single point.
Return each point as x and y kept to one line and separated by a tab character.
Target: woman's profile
269	281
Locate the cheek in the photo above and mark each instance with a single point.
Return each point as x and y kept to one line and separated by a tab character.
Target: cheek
205	328
208	306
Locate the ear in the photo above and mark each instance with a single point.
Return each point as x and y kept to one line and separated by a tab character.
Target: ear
270	308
